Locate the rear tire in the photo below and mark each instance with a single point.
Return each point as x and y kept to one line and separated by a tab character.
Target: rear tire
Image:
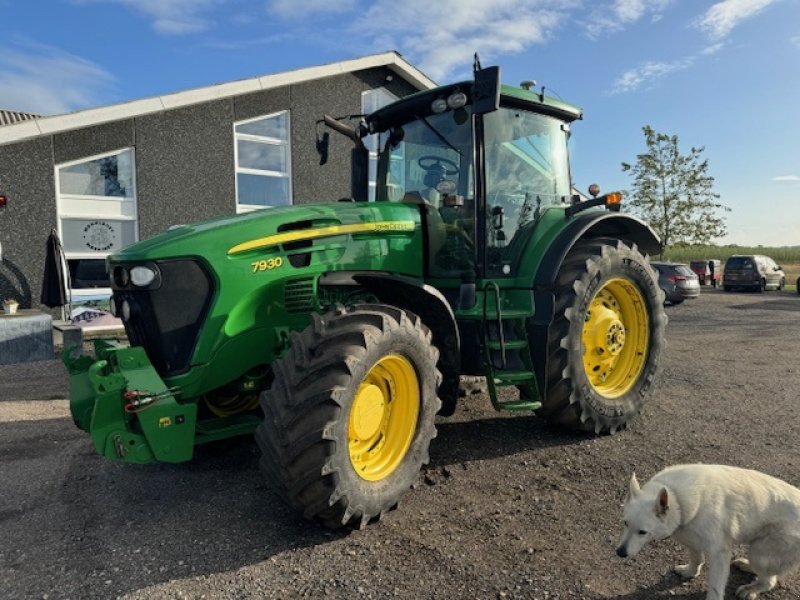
350	415
606	337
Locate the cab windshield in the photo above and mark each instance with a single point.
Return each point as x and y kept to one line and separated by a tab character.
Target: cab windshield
527	168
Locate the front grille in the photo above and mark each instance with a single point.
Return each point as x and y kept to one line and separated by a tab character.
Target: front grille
166	321
298	295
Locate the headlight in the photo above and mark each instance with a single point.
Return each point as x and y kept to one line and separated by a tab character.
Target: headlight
126	310
439	106
142	276
457	100
121	276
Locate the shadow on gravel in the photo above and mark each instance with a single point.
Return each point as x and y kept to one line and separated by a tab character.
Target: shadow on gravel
105	528
671	585
484	439
790	304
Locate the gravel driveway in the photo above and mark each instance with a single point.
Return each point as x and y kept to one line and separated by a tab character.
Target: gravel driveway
509	508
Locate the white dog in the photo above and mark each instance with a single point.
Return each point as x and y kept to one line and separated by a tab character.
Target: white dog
709	509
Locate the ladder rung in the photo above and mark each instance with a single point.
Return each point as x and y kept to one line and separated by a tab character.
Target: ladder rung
512	377
509	344
520	405
509	314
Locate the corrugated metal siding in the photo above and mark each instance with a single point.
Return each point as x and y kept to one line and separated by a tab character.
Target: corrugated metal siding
9	117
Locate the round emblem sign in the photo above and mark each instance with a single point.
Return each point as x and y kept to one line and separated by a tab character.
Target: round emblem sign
99	236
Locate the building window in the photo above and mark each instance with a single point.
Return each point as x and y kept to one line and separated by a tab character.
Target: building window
97	215
372	100
263	162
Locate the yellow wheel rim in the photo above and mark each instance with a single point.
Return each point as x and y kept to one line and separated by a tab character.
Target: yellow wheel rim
615	338
383	417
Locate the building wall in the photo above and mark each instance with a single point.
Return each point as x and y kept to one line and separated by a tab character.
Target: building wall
26	177
184	161
184	166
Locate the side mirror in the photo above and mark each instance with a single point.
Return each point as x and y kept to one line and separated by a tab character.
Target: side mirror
486	91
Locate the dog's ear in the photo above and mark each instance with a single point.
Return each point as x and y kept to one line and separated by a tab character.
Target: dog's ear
662	502
634	487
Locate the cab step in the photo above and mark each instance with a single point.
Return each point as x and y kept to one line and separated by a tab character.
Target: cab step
518	405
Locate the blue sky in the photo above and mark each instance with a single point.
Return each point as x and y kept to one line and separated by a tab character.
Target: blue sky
721	74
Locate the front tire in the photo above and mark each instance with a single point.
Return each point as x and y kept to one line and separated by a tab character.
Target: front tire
350	415
606	338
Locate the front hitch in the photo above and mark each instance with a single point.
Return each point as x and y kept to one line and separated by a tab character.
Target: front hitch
128	410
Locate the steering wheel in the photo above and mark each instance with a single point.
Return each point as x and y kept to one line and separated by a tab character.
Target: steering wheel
431	163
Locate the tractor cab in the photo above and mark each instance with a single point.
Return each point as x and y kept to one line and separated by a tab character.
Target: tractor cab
484	176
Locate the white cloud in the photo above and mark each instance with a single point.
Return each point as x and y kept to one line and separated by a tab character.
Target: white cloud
622	13
647	74
44	80
301	8
453	30
723	17
170	17
786	178
712	49
795	40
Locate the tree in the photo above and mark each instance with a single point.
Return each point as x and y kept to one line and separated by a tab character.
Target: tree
674	192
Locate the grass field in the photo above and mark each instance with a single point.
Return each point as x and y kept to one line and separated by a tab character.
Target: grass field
783	255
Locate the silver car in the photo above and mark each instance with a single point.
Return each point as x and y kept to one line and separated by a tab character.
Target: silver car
677	280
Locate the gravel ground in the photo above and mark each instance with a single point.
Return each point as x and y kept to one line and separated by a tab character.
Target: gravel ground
508	508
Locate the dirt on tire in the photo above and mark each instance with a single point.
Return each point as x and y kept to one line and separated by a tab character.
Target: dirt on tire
509	507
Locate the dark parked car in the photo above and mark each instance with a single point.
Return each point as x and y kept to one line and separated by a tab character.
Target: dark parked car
677	280
753	272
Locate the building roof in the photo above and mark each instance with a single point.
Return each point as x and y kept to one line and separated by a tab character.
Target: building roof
34	127
9	117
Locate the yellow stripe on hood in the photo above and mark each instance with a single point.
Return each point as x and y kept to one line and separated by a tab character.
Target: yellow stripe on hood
329	231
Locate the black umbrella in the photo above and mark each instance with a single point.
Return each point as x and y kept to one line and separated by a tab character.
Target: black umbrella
55	288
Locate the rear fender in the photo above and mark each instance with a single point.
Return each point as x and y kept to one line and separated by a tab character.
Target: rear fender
592	224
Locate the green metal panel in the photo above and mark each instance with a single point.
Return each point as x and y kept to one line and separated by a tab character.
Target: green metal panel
249	311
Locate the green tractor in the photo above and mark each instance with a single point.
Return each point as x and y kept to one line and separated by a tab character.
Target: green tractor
337	332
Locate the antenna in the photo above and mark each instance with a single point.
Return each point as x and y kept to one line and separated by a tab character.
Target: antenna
476	66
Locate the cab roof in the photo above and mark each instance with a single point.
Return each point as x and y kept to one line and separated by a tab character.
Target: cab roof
419	104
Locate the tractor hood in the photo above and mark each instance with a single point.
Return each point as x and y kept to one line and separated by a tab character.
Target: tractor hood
226	292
